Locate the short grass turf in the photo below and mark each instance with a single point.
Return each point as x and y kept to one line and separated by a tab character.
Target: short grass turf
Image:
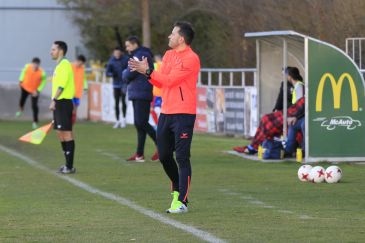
234	199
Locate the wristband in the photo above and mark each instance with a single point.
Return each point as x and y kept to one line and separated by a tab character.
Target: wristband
149	72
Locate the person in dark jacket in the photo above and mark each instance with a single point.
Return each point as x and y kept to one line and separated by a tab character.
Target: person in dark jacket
115	67
280	99
271	124
140	93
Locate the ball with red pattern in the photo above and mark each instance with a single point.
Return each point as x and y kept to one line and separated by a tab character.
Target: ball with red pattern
303	172
317	174
333	174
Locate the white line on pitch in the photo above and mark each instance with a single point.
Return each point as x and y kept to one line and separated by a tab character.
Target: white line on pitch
259	203
112	156
203	235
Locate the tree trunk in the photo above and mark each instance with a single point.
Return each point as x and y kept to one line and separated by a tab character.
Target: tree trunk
146	25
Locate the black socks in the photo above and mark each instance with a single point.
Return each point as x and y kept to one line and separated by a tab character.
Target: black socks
69	151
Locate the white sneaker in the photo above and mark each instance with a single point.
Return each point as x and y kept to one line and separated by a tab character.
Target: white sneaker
140	159
65	170
116	125
123	123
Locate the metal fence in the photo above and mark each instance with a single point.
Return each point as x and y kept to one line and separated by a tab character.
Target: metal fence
227	77
208	77
354	48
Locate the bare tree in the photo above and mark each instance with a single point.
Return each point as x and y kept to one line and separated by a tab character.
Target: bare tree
146	23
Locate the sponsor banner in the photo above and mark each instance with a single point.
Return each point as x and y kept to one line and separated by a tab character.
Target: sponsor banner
250	109
336	121
227	110
94	101
210	110
101	104
234	115
201	124
108	105
219	110
107	109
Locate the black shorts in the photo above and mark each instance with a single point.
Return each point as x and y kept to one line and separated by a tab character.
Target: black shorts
62	115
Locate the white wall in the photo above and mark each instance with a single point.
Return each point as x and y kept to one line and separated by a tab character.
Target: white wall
28	28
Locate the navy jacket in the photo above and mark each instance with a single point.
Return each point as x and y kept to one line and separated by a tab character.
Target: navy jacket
115	68
139	88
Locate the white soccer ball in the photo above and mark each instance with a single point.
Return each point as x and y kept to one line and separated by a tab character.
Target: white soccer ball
333	174
317	174
303	172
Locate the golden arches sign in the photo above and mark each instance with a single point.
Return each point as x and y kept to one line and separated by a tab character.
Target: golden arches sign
336	90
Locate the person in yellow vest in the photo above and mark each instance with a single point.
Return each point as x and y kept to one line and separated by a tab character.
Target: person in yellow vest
32	81
63	91
78	68
296	80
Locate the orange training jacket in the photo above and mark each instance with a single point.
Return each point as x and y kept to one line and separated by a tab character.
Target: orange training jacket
31	80
80	80
177	79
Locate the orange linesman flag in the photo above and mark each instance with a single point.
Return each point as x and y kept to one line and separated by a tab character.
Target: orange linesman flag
36	136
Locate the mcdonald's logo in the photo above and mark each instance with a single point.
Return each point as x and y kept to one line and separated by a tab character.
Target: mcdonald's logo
336	90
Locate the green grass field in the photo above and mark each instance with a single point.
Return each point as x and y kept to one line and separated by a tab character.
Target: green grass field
231	198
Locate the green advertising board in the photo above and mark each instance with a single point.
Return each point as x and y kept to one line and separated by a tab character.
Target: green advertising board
335	118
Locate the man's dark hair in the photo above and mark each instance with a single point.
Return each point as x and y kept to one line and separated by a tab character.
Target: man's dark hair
81	58
186	31
118	48
134	40
294	73
36	60
61	45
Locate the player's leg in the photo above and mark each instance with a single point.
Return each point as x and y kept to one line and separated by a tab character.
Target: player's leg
124	109
69	148
291	142
139	123
166	147
183	138
76	104
35	110
63	125
117	95
150	130
302	128
145	107
144	126
23	98
183	134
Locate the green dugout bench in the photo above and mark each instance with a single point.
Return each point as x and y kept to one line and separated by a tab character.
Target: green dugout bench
334	90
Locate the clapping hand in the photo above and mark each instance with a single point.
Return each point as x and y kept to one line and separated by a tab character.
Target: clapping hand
140	66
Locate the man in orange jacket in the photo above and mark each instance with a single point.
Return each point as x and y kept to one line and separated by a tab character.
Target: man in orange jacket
81	85
177	79
31	81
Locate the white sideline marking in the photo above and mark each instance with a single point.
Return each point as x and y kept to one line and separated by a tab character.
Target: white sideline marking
203	235
112	156
304	216
285	211
259	203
